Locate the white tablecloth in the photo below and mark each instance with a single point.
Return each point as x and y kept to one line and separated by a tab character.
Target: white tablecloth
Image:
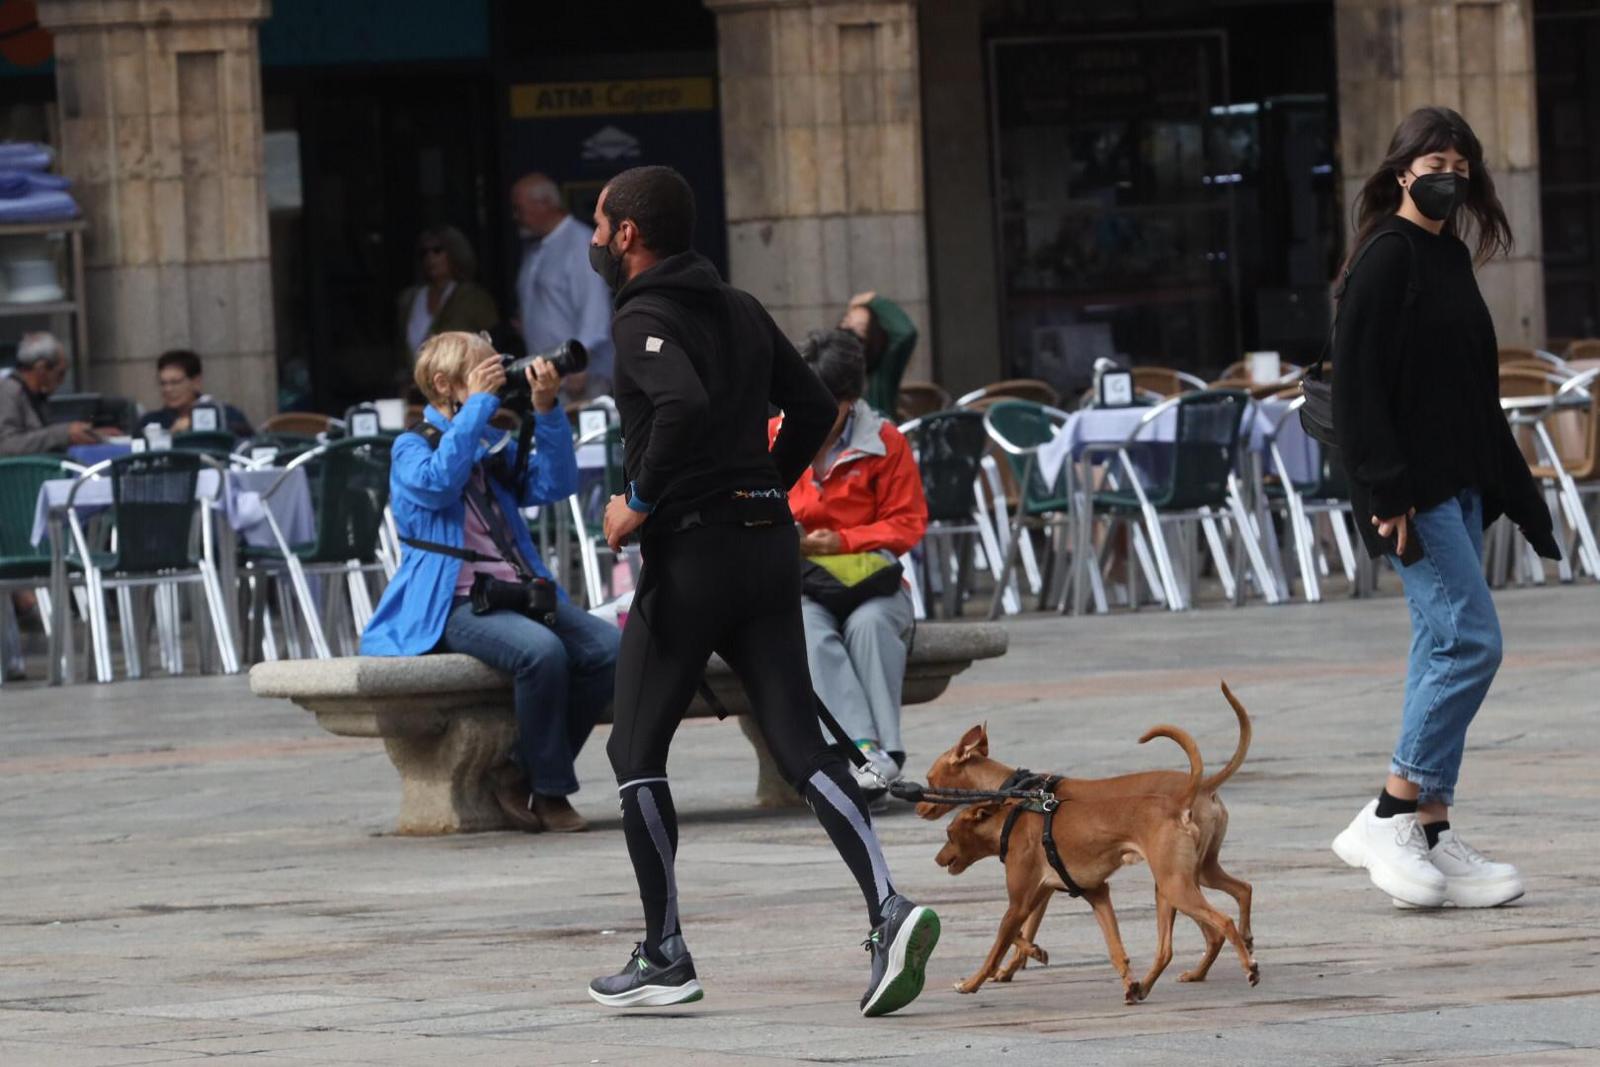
1111	426
242	505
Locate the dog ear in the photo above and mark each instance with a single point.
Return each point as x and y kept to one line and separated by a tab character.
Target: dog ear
975	742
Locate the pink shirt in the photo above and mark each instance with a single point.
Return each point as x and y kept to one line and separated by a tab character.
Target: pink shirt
475	538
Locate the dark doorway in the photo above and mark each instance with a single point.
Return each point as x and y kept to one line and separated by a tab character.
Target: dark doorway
380	158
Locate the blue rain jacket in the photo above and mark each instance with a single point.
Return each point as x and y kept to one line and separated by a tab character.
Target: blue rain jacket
427	492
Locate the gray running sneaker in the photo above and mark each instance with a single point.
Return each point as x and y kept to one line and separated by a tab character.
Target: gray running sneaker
900	948
644	983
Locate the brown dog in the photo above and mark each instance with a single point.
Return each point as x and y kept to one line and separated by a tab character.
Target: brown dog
967	766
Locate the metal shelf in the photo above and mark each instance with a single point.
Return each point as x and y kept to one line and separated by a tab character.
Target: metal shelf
52	307
43	229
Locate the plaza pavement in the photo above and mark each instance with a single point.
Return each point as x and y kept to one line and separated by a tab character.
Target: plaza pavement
188	873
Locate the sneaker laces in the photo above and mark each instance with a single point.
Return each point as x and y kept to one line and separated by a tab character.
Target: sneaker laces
1463	851
872	940
1408	834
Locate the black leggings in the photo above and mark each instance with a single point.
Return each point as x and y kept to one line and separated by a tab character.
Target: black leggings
734	591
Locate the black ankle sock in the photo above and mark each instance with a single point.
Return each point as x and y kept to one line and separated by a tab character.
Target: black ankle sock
836	801
899	759
1390	806
1434	829
650	827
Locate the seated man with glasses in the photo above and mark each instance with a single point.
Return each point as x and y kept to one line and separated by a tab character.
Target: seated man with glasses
179	374
455	490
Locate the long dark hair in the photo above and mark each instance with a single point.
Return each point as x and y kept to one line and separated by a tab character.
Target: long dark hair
1433	129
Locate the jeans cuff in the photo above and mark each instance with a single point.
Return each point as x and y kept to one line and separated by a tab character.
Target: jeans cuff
1432	788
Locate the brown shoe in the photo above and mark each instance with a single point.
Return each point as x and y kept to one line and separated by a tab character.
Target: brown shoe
557	814
516	800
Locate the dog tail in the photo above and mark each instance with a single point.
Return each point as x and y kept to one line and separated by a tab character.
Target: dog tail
1211	784
1196	768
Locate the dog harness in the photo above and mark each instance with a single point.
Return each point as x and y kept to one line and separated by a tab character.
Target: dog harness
1033	793
1043	803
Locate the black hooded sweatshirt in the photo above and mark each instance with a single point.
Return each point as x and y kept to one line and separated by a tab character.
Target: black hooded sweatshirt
698	364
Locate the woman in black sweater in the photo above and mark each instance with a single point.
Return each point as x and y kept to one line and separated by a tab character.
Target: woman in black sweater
1431	462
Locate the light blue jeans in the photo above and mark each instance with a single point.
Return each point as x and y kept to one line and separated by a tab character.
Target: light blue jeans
1455	645
562	678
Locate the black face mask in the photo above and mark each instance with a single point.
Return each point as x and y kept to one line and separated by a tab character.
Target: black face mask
608	265
1436	195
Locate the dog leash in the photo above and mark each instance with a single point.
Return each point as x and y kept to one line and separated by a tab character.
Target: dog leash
1036	793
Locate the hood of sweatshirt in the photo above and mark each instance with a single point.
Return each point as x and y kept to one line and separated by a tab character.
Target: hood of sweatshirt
686	277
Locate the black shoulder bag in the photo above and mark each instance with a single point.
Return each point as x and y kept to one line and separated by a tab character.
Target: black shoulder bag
1316	414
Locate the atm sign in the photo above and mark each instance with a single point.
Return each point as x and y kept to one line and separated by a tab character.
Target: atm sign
549	100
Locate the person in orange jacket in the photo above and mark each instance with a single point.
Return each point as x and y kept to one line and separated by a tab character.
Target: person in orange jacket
862	494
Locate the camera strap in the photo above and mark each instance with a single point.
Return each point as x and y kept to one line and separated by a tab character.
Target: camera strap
487	509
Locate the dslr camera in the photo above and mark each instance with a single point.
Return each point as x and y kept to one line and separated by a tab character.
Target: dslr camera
568	357
535	598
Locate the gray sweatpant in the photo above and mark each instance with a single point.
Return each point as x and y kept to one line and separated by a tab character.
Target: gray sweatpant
859	668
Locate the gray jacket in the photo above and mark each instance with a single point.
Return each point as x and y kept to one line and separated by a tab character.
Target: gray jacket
22	432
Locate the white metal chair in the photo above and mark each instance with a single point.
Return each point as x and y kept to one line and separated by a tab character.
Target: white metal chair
155	507
1201	487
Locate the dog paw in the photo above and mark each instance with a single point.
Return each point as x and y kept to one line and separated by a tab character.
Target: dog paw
1041	955
1253	973
1132	993
967	986
1192	976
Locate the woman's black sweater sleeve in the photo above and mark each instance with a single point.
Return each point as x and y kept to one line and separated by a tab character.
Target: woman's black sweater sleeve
1368	355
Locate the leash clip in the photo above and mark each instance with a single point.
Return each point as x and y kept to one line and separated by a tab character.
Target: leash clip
1048	802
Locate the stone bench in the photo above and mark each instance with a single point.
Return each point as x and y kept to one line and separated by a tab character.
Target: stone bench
446	720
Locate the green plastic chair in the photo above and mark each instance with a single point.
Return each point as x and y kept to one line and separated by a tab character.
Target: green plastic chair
350	492
21	478
1199	484
1018	428
218	444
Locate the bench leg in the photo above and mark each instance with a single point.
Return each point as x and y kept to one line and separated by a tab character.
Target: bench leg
771	789
445	784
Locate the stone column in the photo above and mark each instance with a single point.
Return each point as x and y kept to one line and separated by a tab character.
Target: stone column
161	133
822	155
1475	56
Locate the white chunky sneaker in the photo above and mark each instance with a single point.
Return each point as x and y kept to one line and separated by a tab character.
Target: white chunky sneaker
1394	852
1472	880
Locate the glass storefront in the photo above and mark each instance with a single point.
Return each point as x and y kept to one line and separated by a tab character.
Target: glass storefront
1567	51
1162	197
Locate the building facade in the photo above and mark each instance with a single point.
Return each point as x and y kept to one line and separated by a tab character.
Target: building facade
1037	182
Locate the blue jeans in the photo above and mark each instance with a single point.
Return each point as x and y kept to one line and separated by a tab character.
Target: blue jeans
1455	645
562	678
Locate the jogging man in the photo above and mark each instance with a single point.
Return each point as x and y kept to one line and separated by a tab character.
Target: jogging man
697	364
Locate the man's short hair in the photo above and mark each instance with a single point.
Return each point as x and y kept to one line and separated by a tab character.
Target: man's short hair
183	359
37	348
837	359
659	202
451	354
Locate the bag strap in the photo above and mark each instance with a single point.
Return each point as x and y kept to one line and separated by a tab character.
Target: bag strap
1413	287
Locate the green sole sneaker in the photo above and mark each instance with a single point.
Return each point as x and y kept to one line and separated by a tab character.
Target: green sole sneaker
907	967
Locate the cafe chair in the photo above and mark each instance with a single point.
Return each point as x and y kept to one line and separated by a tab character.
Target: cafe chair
950	447
1200	485
350	492
155	509
24	566
1302	500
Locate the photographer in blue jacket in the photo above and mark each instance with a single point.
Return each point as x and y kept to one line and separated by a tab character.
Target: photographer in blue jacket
470	580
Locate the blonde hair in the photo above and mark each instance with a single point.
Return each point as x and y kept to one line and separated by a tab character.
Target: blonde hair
451	354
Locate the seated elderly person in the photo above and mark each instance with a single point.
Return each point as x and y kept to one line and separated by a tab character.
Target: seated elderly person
862	497
455	496
179	374
24	430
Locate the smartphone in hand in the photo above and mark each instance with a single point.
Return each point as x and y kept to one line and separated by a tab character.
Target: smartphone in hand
1413	553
